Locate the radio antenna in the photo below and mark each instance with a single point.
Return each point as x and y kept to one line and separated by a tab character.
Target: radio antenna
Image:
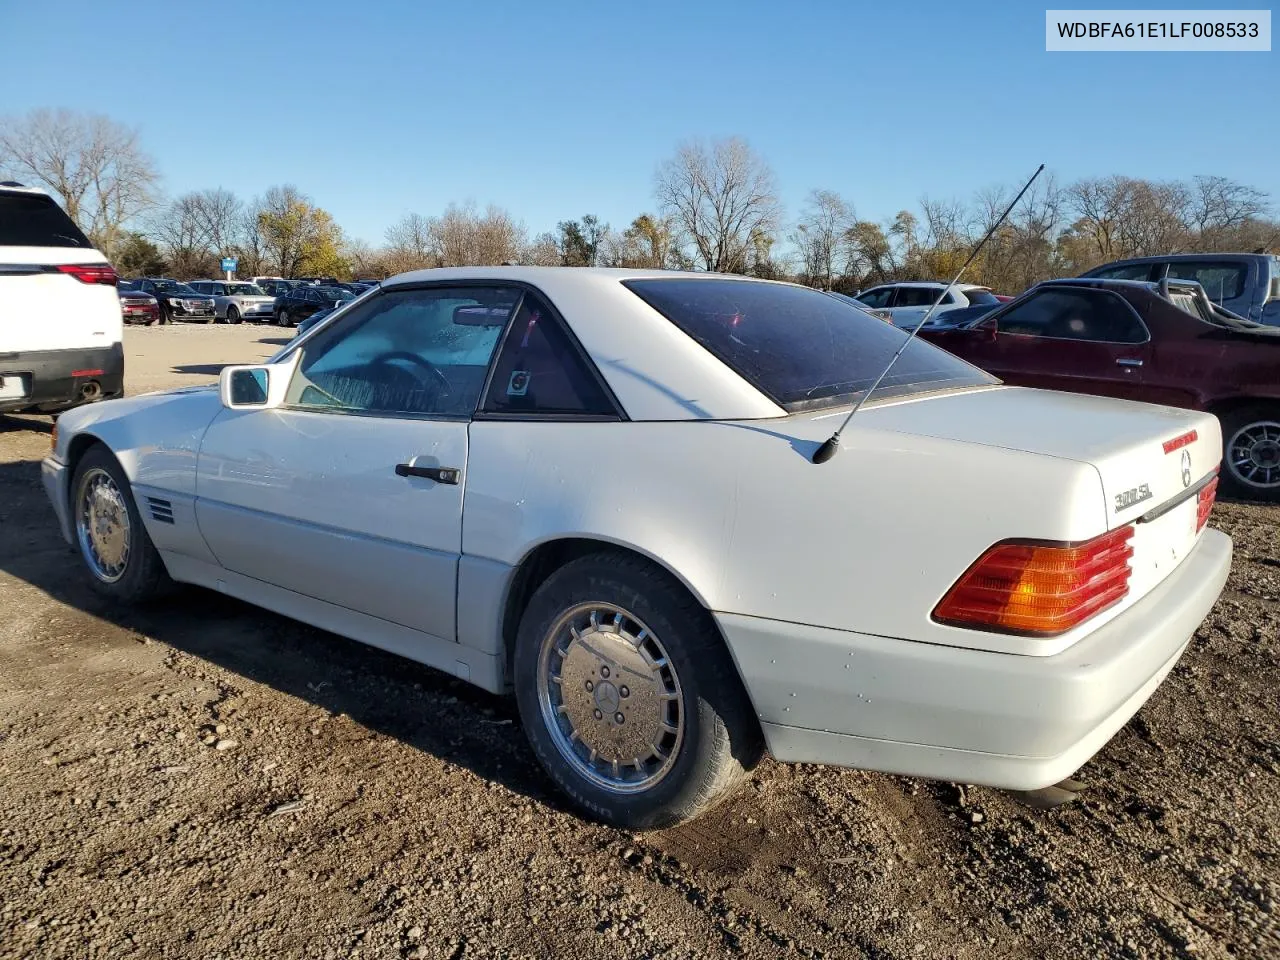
832	443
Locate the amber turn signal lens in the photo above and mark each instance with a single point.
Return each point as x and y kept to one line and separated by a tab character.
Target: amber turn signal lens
1040	589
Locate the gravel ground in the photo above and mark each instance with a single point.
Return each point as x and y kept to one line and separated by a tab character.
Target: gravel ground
204	779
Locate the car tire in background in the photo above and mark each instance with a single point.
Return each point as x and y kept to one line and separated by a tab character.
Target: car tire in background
1251	453
113	544
233	315
628	694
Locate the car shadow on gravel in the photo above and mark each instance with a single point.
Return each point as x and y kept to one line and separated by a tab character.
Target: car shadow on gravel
384	693
200	369
20	423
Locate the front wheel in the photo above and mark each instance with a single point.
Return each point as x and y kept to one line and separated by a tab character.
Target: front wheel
628	695
233	315
1252	461
122	561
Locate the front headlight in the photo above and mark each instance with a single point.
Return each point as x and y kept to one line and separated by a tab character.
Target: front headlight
174	302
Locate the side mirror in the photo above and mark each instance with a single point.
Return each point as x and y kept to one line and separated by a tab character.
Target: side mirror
244	386
256	386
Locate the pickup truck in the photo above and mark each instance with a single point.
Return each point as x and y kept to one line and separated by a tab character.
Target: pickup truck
1247	284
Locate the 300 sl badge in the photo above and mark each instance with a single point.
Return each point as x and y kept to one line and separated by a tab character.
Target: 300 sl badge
1129	497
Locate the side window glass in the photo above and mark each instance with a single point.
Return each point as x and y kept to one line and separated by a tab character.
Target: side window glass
917	296
405	352
1074	315
539	370
879	297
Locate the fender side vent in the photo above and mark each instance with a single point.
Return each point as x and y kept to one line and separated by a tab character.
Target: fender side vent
161	510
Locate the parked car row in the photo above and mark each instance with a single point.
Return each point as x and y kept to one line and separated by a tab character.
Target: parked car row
271	299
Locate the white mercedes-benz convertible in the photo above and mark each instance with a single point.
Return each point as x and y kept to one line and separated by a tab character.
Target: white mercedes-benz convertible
596	488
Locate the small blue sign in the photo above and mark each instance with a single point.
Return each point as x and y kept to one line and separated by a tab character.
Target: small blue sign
229	264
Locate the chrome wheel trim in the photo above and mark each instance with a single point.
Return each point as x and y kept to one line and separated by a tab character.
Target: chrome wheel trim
610	698
103	528
1253	454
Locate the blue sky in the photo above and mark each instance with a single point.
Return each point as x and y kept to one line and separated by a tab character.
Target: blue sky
558	109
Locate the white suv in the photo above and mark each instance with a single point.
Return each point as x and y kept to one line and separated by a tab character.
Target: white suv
60	321
907	301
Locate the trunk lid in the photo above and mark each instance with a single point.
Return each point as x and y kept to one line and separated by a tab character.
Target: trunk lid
1151	460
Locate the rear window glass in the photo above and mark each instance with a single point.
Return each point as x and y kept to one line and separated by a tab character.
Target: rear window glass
1221	281
30	220
981	298
800	347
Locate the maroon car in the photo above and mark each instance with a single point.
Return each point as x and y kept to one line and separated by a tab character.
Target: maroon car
1161	343
138	307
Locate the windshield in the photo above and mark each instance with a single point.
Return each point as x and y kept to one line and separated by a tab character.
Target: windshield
170	286
800	347
336	293
183	289
244	290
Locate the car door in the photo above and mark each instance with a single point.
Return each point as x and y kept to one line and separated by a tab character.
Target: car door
351	490
1061	338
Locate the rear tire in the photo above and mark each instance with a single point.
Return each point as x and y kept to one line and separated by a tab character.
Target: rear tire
686	733
1251	446
113	544
282	318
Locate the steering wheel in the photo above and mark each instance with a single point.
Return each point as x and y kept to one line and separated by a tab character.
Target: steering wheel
422	362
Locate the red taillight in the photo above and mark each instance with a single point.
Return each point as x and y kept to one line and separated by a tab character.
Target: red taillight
1177	443
1204	503
1040	589
90	272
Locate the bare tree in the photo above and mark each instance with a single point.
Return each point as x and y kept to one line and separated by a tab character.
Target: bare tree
464	237
544	251
411	244
182	235
823	237
251	246
1218	206
220	214
95	166
721	197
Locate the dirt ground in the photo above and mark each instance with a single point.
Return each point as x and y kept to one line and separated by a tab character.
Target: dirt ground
202	779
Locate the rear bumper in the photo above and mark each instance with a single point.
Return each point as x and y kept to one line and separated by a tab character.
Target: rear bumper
58	379
1002	720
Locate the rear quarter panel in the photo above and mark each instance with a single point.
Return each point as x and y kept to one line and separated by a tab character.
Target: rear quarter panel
868	542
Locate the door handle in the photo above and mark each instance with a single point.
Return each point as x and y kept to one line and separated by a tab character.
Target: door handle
1128	362
438	474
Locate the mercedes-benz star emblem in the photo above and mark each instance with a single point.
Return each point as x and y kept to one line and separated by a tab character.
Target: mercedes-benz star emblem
1186	468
